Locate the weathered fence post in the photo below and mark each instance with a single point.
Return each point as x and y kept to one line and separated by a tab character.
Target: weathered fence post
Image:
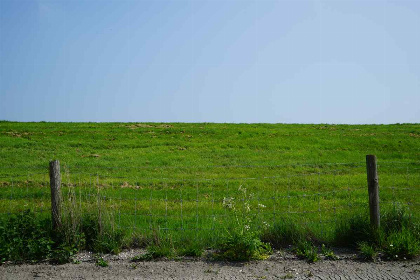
55	184
373	188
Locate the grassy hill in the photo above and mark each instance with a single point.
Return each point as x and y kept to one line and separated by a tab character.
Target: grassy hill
25	147
177	183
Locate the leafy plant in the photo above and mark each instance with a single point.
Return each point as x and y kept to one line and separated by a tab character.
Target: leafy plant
305	250
25	238
101	262
243	245
63	254
241	242
328	253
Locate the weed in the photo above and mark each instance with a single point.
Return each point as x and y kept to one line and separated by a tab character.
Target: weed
100	261
401	245
367	251
25	238
133	266
288	275
328	253
353	229
155	252
241	242
394	219
63	254
101	237
144	257
305	250
285	232
243	245
191	251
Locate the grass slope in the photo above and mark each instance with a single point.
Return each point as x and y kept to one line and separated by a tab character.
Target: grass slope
27	146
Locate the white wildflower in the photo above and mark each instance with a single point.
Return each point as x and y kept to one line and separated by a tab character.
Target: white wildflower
247	207
228	202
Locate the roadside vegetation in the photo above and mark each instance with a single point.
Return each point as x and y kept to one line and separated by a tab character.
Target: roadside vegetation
26	238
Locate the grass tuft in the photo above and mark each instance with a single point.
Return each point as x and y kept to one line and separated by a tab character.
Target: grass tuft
401	244
353	229
285	232
367	252
101	237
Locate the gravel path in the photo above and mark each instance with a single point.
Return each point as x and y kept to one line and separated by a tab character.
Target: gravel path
277	267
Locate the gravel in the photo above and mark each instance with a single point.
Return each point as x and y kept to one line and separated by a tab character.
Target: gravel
280	265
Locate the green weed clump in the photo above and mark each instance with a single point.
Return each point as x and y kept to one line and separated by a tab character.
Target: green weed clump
100	261
23	237
26	237
171	246
367	251
328	253
401	244
402	234
243	245
306	250
398	236
156	252
242	242
101	236
354	228
285	232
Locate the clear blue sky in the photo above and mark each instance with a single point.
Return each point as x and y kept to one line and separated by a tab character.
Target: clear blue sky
300	61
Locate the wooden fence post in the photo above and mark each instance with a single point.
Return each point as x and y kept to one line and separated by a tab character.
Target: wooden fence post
373	189
55	184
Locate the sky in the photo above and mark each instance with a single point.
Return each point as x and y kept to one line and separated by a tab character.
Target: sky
258	61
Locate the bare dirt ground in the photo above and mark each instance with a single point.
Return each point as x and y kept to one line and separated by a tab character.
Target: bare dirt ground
278	266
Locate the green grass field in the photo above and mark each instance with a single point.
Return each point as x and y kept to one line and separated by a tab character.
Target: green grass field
204	179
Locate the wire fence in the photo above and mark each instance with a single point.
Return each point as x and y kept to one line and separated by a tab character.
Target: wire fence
258	195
